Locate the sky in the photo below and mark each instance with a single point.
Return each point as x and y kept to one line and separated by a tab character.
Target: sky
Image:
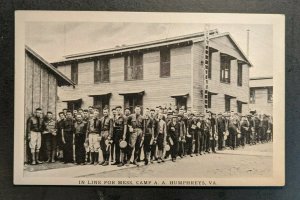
53	40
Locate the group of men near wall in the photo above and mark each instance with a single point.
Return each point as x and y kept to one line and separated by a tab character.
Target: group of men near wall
158	134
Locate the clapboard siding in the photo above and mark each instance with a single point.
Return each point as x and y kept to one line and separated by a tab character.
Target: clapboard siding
261	101
86	71
157	90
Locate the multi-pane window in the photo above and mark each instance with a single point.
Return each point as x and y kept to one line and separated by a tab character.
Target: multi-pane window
239	106
133	67
270	94
252	95
227	103
132	100
101	102
240	74
74	72
225	69
101	74
165	62
209	100
181	101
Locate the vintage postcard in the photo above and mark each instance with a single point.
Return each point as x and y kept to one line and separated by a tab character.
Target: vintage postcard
149	99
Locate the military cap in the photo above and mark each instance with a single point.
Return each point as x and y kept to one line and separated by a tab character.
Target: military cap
170	112
220	113
152	109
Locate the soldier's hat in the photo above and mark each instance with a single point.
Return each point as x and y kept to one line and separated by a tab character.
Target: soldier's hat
192	113
170	112
152	109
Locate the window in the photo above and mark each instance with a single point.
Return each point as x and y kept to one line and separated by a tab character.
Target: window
101	72
165	62
134	67
252	95
209	64
74	72
132	100
209	100
239	106
101	102
225	69
240	74
227	103
181	101
270	94
73	105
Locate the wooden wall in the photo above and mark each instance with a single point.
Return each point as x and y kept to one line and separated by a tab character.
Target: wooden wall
40	87
157	90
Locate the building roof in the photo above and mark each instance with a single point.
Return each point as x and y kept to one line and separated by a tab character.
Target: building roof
61	78
190	38
259	82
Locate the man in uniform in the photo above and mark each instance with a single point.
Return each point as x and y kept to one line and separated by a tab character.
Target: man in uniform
118	131
148	135
182	134
34	127
207	132
135	124
192	128
154	117
49	141
174	131
106	124
67	138
213	131
126	137
86	116
60	124
221	130
232	128
93	130
80	131
112	146
161	137
167	120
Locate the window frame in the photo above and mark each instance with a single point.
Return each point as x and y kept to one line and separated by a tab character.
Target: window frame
134	57
74	70
165	51
100	76
103	99
227	104
224	68
240	74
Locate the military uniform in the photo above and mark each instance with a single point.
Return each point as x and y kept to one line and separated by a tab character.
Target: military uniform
34	128
232	128
106	124
207	134
245	129
175	132
213	132
161	138
148	136
192	128
94	130
135	126
181	139
49	139
60	144
154	143
118	130
80	128
68	132
221	128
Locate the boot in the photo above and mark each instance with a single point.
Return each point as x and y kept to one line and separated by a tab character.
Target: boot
33	158
53	157
37	154
92	158
96	157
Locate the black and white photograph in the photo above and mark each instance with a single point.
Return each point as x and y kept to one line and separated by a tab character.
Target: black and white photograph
149	99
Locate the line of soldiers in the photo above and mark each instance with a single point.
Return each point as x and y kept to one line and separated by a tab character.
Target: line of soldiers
79	136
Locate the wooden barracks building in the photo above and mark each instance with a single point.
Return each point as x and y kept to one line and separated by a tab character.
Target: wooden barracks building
161	72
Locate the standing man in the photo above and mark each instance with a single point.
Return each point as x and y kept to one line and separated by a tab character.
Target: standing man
148	135
135	123
93	130
182	135
232	128
173	129
154	118
80	137
207	133
49	141
126	137
112	146
34	128
60	125
244	130
161	137
67	138
106	125
118	134
221	126
192	129
213	123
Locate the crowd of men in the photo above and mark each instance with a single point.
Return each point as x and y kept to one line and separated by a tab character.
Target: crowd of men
79	136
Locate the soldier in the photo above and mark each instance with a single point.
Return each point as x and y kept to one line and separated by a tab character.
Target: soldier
213	132
93	131
112	146
106	124
257	123
192	128
86	116
67	138
173	129
244	130
161	137
148	135
135	126
167	120
74	114
91	109
232	128
65	111
60	125
221	126
118	133
264	128
80	111
34	127
80	132
126	137
49	142
202	134
182	134
154	117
